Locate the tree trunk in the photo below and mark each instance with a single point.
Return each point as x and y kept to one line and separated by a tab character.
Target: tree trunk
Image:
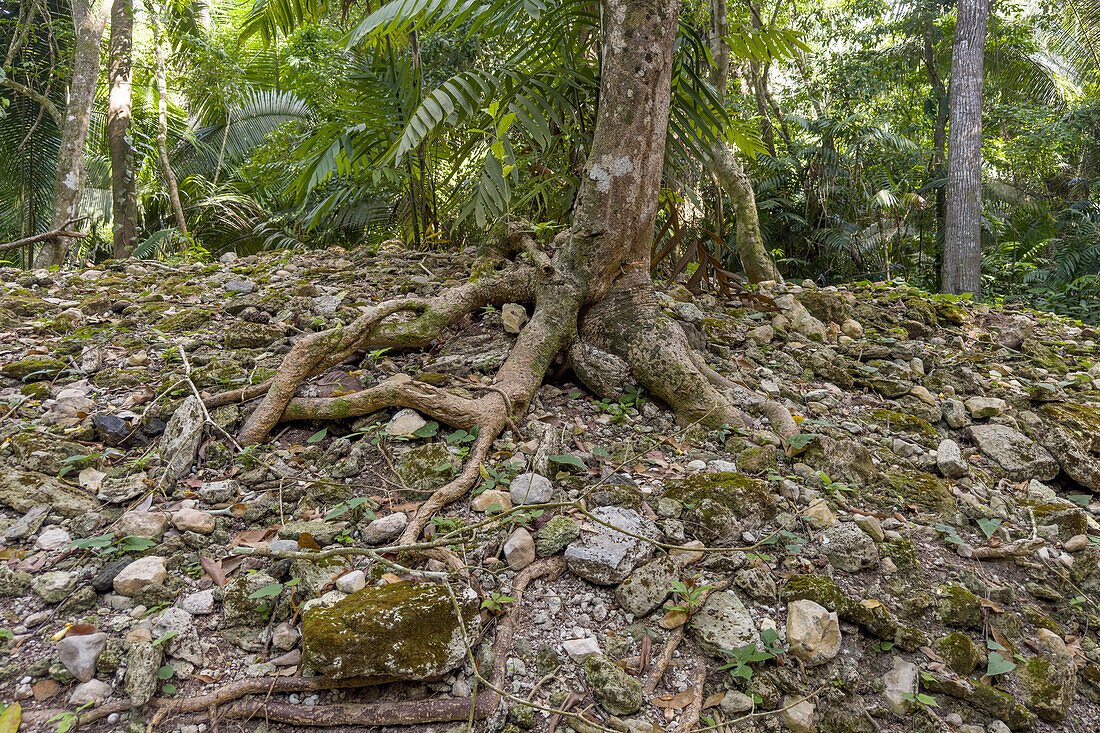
123	176
963	228
727	169
89	20
939	145
162	122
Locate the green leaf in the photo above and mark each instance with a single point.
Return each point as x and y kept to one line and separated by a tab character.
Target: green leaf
165	638
169	689
569	460
927	700
801	440
318	436
269	590
989	527
998	665
165	673
1080	499
103	540
427	431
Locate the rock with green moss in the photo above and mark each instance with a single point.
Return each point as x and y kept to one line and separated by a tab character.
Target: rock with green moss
424	469
552	537
921	489
1049	680
958	607
719	506
1021	458
189	319
36	390
1071	432
614	689
958	651
241	608
46	453
13	583
245	335
23	491
901	552
902	422
875	617
115	378
757	460
406	630
985	698
33	370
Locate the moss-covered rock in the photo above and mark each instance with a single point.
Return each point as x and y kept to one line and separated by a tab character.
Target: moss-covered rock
905	423
245	335
958	651
33	370
552	537
1049	680
616	691
720	505
758	460
873	616
406	630
114	378
990	700
21	491
190	319
922	489
424	469
958	607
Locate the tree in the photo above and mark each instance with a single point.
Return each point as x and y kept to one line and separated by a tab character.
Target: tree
963	227
592	294
123	176
162	121
727	169
89	20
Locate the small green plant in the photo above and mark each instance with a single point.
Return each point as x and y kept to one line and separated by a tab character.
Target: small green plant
834	487
920	699
272	589
494	602
743	656
492	477
355	506
689	596
949	534
68	721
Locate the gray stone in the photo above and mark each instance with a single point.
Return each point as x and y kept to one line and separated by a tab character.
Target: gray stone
237	605
734	703
181	438
553	537
796	715
121	489
140	573
385	528
27	525
900	686
1021	458
240	287
405	423
723	624
605	374
614	689
91	692
142	662
79	654
220	492
513	316
55	586
200	603
1050	681
183	638
23	490
983	407
54	538
530	488
149	525
849	548
194	520
950	461
954	413
581	649
605	556
688	312
647	587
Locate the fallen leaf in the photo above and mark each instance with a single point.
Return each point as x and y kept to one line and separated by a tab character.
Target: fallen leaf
90	479
675	702
871	604
238	509
214	570
673	619
389	578
44	689
986	603
714	700
81	630
306	542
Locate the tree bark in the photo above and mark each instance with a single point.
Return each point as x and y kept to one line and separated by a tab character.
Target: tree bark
162	122
963	228
727	169
123	176
89	21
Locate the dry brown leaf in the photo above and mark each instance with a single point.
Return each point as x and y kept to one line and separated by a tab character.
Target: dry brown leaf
673	619
214	570
714	700
306	542
986	603
44	689
675	702
238	509
870	604
81	630
390	578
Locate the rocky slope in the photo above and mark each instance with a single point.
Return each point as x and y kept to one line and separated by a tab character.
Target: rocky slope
923	556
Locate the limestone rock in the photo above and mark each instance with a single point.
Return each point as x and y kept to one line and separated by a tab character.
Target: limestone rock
22	491
553	537
604	373
91	692
406	630
723	623
405	423
604	556
385	528
193	520
581	649
950	461
849	548
79	653
519	549
813	632
530	488
1049	680
798	718
900	686
140	573
647	587
982	407
513	316
614	689
148	525
54	586
180	442
1021	458
142	662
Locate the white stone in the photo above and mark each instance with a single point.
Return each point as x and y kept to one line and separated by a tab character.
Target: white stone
531	488
193	520
199	604
900	686
519	549
405	423
140	573
813	632
581	649
351	582
92	691
54	538
385	528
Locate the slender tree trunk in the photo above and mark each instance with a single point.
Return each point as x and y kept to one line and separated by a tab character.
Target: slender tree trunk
963	228
939	146
89	20
162	122
123	176
727	169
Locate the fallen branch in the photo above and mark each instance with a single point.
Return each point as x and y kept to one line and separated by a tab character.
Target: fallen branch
62	231
1023	548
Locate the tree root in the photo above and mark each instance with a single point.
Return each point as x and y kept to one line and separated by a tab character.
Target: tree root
660	664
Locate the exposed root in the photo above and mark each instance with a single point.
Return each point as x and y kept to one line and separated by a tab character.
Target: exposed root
695	707
660	664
